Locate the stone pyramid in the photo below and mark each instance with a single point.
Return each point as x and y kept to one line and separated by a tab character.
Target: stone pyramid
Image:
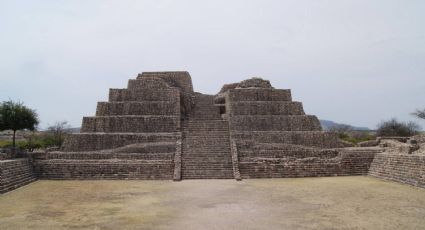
159	128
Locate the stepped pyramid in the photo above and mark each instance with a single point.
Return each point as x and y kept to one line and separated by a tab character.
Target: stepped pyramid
134	135
159	128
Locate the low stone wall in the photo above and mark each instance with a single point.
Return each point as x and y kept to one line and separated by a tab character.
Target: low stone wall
15	173
104	169
403	168
346	163
6	155
135	161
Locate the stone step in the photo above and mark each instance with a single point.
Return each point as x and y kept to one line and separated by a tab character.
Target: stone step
206	172
206	143
95	156
207	175
211	165
206	136
203	145
209	170
207	160
202	133
206	130
201	151
204	153
213	136
217	168
206	126
223	141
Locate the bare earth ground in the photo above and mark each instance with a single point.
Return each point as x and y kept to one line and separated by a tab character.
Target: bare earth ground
303	203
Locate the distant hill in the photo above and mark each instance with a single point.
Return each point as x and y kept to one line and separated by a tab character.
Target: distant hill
326	124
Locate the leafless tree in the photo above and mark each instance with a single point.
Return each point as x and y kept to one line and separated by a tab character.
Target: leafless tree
419	113
59	130
341	129
394	127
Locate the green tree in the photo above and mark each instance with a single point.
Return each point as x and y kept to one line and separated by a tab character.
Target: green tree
16	116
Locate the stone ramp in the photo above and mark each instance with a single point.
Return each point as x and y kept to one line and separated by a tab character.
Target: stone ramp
206	144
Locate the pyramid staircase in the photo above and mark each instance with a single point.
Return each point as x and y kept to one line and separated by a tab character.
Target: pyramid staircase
206	145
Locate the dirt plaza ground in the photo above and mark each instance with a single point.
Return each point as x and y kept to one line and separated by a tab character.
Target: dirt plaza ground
301	203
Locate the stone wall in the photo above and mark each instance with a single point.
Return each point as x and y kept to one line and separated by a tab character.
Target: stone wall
248	130
171	95
272	161
274	123
98	141
403	168
131	124
317	139
266	108
259	95
137	108
137	161
15	173
179	79
104	169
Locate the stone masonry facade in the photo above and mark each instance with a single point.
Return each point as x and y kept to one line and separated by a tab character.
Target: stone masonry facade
159	128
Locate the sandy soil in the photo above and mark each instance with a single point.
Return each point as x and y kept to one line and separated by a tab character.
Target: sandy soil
303	203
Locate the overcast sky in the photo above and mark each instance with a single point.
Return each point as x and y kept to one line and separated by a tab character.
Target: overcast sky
356	62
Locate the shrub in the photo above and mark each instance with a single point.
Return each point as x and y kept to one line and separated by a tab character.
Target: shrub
33	141
394	127
357	139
